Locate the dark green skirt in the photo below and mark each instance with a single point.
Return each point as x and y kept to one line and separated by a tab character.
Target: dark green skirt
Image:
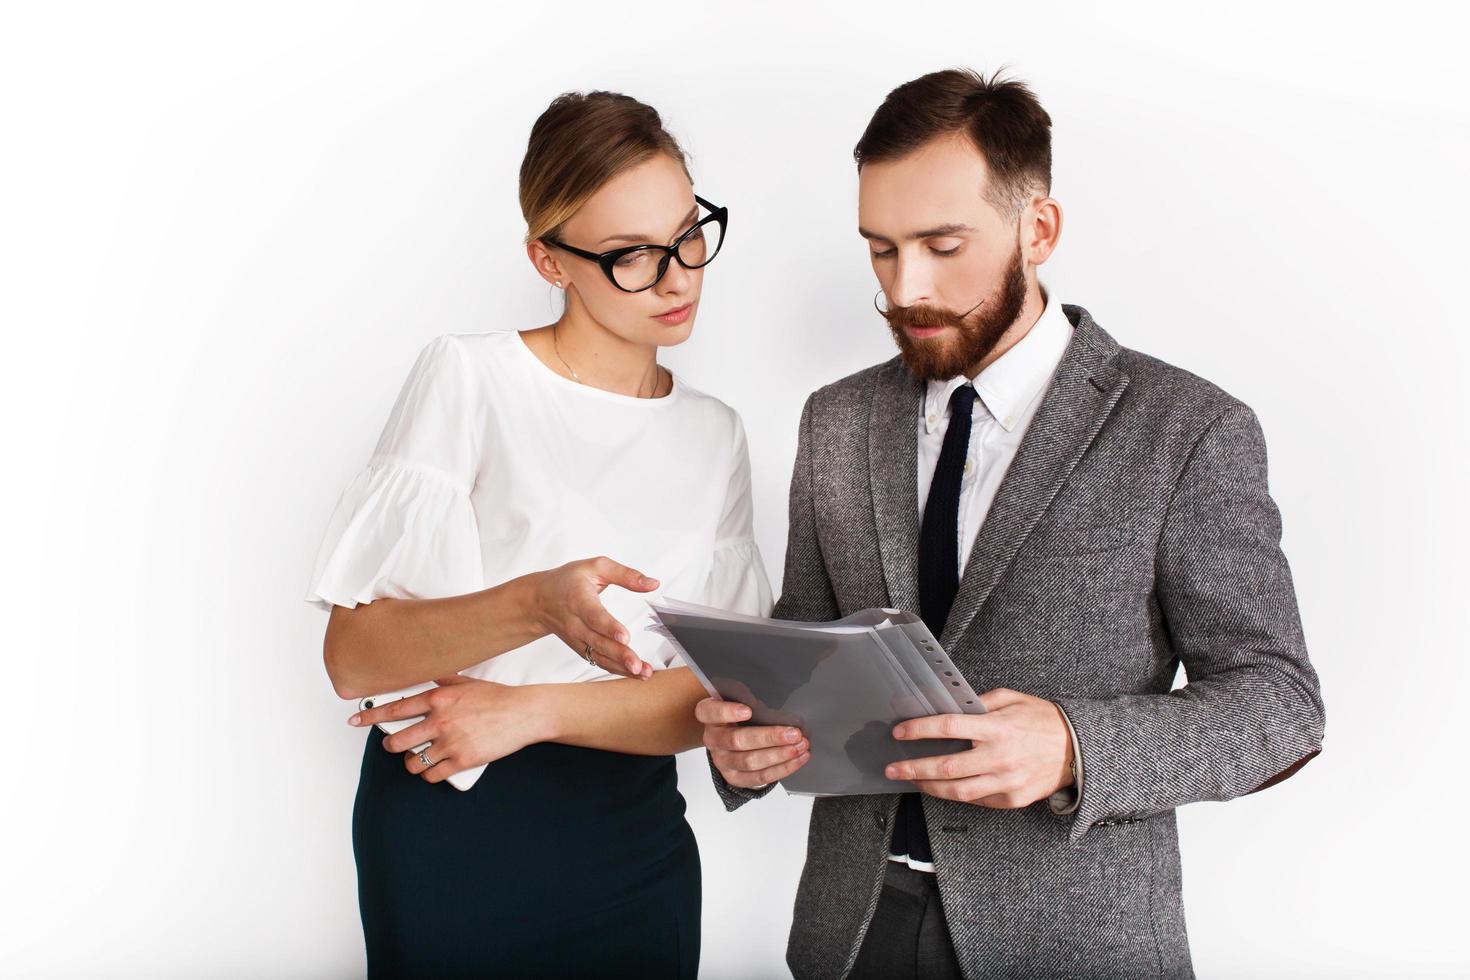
559	862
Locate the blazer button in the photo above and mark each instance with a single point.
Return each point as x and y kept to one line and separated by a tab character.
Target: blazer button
880	819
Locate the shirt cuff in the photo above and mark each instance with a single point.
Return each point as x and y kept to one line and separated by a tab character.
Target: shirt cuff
1064	801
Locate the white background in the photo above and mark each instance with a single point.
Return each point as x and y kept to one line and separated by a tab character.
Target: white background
227	231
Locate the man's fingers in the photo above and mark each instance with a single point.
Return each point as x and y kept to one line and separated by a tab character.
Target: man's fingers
394	710
956	766
1004	800
714	711
968	790
940	726
761	758
745	738
999	697
755	780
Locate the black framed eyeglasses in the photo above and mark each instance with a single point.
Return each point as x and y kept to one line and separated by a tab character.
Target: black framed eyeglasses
639	267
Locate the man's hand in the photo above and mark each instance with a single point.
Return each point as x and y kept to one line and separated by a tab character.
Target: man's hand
749	756
1022	752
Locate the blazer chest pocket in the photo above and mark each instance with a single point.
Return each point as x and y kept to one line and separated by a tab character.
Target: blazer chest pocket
1069	538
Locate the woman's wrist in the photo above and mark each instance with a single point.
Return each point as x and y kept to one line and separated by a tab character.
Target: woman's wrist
527	599
544	710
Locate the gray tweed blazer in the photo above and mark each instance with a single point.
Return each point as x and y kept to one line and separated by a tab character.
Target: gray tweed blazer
1133	531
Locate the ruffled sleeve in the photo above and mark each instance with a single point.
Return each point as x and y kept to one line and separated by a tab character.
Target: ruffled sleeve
737	579
405	527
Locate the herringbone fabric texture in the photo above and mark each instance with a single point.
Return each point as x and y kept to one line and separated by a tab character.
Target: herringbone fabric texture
1134	532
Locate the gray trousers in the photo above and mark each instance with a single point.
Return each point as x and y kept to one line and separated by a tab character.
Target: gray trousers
907	937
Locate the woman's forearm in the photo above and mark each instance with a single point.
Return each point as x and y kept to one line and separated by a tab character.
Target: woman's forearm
388	644
640	717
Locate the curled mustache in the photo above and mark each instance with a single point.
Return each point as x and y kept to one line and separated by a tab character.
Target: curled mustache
924	317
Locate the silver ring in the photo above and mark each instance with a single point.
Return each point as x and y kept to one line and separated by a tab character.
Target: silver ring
587	654
424	758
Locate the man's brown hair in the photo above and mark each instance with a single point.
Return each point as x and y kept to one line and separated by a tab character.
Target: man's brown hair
1002	117
578	144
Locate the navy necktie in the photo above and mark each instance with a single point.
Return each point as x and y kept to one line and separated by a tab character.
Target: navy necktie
939	548
939	580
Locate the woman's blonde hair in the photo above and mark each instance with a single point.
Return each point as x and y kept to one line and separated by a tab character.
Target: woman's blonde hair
578	144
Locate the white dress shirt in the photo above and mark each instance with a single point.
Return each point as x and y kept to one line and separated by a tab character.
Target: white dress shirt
1010	390
492	465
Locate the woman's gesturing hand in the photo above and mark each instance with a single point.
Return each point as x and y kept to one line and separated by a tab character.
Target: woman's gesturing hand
468	722
567	605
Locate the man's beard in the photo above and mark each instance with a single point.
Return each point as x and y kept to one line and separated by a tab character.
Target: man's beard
933	359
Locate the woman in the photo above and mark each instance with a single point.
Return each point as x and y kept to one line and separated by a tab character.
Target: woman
460	555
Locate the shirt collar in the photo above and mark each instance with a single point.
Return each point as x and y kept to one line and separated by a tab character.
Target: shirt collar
1010	382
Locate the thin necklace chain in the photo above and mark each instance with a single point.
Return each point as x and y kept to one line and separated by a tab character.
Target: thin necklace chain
557	347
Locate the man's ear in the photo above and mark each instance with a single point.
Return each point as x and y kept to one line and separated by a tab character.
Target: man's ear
1041	229
544	262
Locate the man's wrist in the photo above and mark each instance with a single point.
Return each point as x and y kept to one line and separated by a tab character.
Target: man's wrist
1069	768
1068	796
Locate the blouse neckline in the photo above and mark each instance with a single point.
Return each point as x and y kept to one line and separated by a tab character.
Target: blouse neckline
676	388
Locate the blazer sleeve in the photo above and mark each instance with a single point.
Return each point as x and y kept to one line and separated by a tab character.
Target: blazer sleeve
1251	713
806	591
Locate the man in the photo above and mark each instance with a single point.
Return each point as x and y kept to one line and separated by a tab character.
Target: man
1074	520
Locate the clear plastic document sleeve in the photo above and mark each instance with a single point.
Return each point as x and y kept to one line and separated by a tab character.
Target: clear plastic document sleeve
845	684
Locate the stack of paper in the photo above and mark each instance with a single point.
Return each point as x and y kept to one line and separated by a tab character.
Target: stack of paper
845	684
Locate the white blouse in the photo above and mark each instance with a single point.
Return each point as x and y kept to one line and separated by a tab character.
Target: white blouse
492	465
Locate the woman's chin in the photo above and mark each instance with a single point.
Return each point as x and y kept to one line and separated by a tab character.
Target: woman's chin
672	336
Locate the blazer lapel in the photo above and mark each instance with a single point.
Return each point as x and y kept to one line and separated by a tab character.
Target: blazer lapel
893	450
1082	394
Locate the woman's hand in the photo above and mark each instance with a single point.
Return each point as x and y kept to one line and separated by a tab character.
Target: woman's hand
567	606
468	721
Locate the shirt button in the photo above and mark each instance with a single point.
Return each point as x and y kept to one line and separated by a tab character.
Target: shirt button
1010	420
967	467
932	419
